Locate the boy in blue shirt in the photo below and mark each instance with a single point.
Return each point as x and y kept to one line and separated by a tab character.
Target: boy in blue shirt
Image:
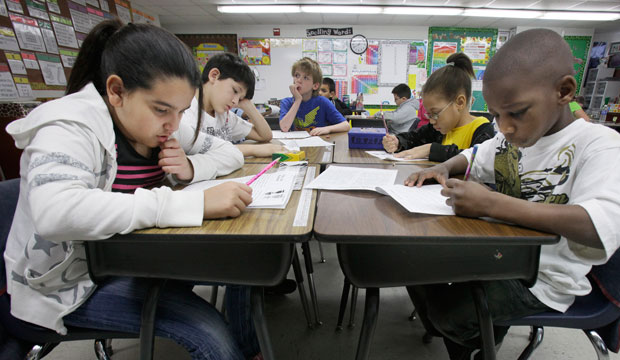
548	169
306	110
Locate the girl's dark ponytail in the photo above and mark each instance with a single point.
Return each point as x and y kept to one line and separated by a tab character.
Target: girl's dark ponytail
87	66
452	79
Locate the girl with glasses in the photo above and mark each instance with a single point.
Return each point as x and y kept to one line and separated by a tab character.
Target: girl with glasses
451	128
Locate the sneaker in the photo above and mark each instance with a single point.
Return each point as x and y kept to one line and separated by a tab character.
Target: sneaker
287	286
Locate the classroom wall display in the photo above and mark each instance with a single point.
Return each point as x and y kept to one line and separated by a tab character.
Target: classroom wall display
393	67
255	51
417	53
40	40
352	73
477	43
580	47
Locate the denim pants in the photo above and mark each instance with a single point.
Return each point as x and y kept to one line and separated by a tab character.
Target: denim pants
450	311
181	316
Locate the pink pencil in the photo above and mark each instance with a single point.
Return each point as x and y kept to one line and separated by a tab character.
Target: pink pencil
271	164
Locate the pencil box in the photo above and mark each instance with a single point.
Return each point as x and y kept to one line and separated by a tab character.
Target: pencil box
366	138
290	156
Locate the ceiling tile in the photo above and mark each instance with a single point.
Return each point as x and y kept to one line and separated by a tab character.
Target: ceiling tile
182	10
597	6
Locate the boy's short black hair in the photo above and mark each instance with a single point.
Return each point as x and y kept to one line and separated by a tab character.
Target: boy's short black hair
330	83
402	91
231	66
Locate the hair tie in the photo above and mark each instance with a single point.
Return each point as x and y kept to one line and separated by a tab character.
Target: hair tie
450	63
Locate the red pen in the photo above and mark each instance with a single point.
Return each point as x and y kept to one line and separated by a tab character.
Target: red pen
271	164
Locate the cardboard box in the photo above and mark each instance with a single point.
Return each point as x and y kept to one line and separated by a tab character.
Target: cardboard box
366	138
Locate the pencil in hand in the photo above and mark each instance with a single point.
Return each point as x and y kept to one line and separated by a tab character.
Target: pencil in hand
471	162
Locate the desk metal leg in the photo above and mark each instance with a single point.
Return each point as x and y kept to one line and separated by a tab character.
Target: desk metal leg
147	326
305	247
354	293
258	315
484	320
299	277
321	252
371	312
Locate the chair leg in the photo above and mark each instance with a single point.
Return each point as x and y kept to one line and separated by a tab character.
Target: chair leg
598	343
321	252
214	290
101	349
536	337
343	303
38	352
300	287
353	304
412	316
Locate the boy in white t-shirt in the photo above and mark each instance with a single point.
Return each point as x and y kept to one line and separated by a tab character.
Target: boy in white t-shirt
549	170
228	82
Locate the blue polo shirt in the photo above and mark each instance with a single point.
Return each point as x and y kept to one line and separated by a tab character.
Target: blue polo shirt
316	112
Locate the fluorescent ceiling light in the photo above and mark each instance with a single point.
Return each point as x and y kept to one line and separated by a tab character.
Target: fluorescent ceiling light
259	9
498	13
411	10
587	16
331	9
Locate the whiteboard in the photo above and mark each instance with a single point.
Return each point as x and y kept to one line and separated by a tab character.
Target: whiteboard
361	70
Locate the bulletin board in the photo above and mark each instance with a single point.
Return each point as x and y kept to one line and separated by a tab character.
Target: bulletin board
352	73
477	43
204	46
580	47
40	40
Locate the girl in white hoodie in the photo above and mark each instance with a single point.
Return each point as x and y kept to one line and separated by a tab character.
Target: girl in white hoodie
89	165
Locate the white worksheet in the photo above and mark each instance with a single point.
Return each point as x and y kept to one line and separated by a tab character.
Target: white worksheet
353	178
426	199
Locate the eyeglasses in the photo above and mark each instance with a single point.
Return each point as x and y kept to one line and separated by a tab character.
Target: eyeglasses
435	117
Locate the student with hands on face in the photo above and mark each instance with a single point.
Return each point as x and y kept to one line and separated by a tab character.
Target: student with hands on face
547	167
227	83
447	98
306	110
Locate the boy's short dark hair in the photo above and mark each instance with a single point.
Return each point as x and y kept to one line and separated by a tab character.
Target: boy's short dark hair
580	99
231	67
330	83
402	91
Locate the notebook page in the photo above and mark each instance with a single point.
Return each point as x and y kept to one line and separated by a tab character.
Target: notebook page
387	156
277	134
426	199
353	178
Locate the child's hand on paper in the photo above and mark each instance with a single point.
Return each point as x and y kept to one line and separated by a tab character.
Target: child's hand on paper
418	152
173	160
390	143
295	92
467	198
319	131
265	150
438	172
226	200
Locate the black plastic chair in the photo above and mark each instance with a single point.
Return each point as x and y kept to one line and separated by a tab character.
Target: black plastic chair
19	338
597	314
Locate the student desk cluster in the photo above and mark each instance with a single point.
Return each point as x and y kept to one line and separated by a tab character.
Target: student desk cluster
379	243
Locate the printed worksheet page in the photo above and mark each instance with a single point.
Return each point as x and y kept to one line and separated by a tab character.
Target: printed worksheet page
426	199
353	178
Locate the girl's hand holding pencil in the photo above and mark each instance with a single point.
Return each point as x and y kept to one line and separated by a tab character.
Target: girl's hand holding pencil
390	143
226	200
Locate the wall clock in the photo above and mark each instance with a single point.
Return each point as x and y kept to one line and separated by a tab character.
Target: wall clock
359	44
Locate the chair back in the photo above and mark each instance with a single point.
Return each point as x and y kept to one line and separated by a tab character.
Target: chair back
9	193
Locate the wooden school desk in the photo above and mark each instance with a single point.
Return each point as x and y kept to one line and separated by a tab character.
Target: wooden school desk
381	244
254	249
344	155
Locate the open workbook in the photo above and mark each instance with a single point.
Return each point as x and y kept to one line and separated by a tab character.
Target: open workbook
426	199
269	191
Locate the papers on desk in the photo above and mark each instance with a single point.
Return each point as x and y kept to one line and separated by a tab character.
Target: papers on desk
426	199
269	191
387	156
313	141
277	134
352	178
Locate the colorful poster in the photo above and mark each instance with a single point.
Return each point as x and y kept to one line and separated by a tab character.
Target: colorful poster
372	54
366	84
204	51
417	53
342	87
441	52
477	48
580	47
255	51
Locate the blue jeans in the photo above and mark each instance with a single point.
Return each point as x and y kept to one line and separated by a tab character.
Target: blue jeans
181	316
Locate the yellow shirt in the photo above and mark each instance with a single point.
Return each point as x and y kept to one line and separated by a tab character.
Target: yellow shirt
462	135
